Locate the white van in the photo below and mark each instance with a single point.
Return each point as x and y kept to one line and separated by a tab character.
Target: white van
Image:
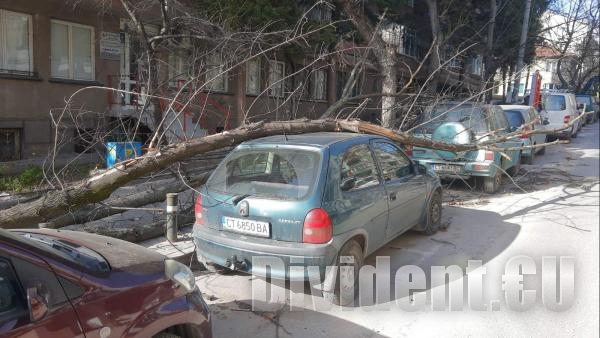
560	109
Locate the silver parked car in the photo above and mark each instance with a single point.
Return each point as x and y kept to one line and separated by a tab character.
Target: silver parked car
526	118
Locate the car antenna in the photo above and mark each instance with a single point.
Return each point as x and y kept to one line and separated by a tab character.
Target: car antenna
284	135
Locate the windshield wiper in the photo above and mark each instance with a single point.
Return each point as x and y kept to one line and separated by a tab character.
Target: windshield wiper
91	260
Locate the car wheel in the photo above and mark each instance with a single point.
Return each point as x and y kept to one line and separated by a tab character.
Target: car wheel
491	184
527	159
514	170
543	150
341	296
434	214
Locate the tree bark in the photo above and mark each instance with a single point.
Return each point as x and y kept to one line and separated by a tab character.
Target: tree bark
136	233
437	38
384	54
154	193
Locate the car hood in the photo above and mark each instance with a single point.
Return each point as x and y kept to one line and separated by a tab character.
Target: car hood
120	255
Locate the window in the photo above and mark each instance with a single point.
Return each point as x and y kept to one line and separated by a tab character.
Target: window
216	78
475	65
177	68
551	66
12	302
358	163
393	163
253	77
318	85
268	173
16	47
320	13
342	79
409	43
276	74
72	51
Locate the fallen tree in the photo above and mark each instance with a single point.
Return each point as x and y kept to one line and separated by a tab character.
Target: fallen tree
56	203
155	192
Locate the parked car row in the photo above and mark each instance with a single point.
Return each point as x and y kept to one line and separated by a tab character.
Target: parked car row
309	199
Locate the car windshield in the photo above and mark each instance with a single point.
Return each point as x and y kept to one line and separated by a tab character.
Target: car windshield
269	173
515	118
470	116
555	102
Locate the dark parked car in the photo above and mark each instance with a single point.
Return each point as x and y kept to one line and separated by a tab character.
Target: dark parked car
591	108
464	123
313	197
73	284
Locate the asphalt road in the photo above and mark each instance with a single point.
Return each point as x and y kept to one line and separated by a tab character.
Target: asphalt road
552	210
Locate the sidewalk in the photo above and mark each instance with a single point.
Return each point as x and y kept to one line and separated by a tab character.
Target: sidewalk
181	251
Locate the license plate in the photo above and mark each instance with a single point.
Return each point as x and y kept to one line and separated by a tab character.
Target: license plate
246	226
447	168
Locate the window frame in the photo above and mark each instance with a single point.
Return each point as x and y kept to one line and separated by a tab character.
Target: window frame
3	65
70	26
258	77
280	83
222	77
21	307
411	165
375	166
314	87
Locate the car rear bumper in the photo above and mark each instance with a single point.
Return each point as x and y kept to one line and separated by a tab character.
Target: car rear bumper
224	248
467	169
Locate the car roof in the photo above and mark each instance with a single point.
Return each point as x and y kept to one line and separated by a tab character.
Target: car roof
514	106
321	139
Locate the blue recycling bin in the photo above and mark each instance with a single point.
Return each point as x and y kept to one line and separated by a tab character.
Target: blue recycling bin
121	151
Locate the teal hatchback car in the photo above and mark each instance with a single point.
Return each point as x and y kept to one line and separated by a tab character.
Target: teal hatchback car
466	123
310	199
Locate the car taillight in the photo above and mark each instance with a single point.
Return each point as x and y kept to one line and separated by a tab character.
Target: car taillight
489	155
567	119
408	149
198	211
318	228
527	128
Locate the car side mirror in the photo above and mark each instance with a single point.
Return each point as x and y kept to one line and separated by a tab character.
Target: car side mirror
37	304
348	183
421	169
512	129
545	121
580	106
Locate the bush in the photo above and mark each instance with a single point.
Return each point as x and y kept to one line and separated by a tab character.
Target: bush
25	180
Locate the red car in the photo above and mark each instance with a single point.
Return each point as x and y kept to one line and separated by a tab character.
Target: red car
73	284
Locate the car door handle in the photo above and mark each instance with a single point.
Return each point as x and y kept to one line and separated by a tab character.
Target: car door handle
392	196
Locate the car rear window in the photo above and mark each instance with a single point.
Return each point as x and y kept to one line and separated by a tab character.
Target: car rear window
269	173
555	102
470	116
515	118
587	100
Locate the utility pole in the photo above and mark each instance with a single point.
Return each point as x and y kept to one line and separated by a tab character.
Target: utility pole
515	90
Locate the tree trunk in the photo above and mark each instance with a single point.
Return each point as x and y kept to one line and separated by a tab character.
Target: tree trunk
389	85
136	233
154	193
437	38
385	55
490	65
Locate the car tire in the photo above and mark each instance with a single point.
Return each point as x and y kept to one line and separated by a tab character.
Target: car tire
491	184
527	159
514	170
543	150
434	214
338	296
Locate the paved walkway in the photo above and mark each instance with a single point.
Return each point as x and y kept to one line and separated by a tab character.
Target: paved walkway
182	250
